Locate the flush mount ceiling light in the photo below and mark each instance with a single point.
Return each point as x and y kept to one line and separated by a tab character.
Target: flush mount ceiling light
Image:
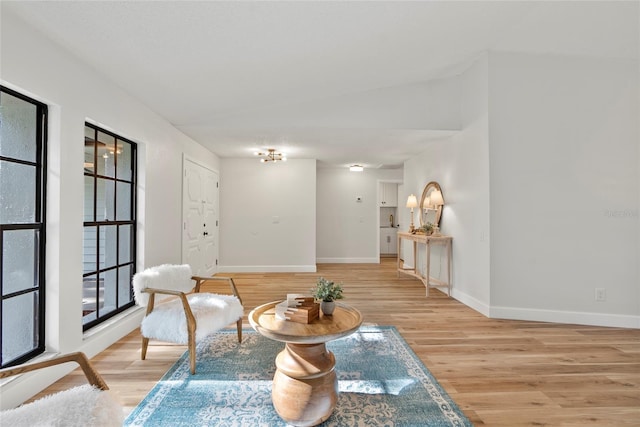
356	168
271	155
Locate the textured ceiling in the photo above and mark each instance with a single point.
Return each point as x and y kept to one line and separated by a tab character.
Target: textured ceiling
342	82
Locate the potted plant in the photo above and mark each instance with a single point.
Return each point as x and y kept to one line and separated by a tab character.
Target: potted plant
327	292
427	228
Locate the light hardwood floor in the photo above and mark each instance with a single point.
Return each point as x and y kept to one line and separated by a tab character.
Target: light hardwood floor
499	372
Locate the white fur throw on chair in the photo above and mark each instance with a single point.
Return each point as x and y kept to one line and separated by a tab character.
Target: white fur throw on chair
167	322
165	276
80	406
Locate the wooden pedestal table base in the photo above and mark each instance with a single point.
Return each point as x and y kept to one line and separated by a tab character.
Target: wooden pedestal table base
305	385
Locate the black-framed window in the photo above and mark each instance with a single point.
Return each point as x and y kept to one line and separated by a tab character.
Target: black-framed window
109	243
23	137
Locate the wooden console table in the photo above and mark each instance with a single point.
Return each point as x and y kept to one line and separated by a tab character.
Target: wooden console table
428	241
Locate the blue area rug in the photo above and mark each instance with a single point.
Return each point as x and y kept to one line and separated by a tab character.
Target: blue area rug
381	381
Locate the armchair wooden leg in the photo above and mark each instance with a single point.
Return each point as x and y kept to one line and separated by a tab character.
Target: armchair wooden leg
192	352
239	327
145	344
192	359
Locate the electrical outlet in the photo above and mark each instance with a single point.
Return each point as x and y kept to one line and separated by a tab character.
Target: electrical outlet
601	294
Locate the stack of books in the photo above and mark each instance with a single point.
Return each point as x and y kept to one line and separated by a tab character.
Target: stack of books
298	308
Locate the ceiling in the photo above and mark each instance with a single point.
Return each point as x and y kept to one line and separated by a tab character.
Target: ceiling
341	82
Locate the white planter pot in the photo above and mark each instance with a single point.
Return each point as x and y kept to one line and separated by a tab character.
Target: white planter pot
327	307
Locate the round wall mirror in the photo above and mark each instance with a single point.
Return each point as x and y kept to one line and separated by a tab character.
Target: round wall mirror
431	204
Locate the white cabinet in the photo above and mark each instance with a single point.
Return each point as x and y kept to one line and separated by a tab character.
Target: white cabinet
388	241
388	196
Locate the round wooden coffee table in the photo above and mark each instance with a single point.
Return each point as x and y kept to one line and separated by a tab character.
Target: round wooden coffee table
305	385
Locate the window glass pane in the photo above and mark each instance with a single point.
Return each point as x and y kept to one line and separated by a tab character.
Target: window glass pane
89	297
105	200
124	255
108	246
89	249
124	201
89	149
18	125
124	285
19	334
88	198
109	300
19	260
17	193
124	161
106	149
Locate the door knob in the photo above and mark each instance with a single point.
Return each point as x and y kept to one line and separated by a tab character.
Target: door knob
205	234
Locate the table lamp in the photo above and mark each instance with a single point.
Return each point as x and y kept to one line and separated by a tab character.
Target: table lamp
437	201
412	202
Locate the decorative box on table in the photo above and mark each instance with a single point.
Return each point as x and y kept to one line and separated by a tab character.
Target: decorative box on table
298	308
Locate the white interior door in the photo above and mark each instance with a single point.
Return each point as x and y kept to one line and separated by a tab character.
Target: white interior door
200	218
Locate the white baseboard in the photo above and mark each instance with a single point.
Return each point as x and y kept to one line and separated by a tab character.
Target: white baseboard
552	316
569	317
267	269
471	302
374	260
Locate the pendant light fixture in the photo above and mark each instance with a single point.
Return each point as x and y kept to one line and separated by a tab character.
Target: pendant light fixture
271	155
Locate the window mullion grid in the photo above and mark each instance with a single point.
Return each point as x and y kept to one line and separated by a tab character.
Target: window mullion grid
106	222
95	216
19	161
37	276
95	173
117	266
42	215
97	284
38	227
115	185
1	291
115	217
39	132
134	211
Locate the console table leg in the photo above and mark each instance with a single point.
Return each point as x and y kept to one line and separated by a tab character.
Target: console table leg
398	256
449	252
428	272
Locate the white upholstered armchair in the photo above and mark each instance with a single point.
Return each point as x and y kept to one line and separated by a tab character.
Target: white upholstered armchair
188	317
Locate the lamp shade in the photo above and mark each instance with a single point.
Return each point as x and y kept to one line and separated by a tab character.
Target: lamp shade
427	203
436	198
412	202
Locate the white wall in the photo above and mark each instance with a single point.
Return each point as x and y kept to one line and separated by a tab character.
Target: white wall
267	215
460	165
347	230
542	189
564	188
37	67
